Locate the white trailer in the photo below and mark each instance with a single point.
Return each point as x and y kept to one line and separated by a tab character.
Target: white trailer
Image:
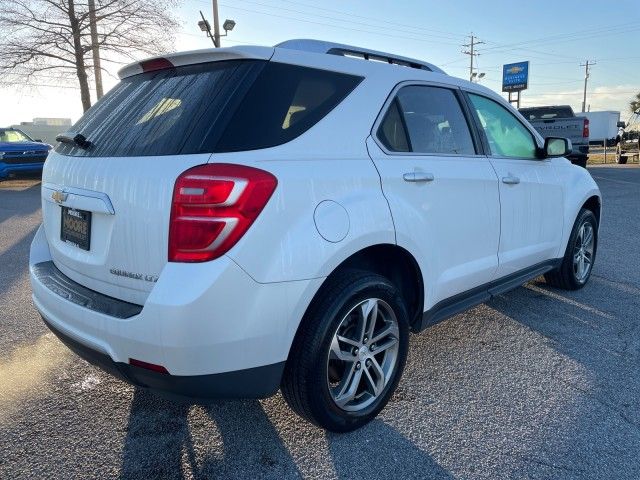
602	126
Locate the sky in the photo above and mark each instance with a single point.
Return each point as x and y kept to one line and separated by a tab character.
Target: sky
556	37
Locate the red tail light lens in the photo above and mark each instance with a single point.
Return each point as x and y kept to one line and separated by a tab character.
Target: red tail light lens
155	64
149	366
213	207
585	128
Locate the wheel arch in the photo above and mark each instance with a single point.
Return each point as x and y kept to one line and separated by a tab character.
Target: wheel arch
398	265
594	204
391	261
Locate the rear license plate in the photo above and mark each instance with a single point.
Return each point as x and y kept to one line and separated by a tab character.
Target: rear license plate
76	227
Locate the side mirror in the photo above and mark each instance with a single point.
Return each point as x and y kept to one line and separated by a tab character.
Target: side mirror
557	147
622	125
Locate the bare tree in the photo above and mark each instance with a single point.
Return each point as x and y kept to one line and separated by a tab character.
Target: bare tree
634	104
45	38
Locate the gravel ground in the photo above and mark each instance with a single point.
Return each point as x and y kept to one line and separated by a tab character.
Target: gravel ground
538	383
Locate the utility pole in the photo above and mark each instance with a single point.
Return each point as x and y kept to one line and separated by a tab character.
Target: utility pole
586	66
472	53
216	25
95	49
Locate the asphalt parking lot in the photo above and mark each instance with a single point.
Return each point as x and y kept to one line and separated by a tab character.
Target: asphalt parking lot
538	383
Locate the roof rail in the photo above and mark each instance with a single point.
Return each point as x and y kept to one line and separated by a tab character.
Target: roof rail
319	46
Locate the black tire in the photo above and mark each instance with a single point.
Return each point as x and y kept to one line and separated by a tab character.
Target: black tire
565	276
581	161
305	385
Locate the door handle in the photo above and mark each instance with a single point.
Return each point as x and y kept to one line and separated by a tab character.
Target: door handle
510	180
418	177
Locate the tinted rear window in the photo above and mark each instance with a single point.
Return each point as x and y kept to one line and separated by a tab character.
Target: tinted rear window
166	112
213	107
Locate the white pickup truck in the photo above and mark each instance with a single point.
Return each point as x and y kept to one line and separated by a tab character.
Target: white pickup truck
560	121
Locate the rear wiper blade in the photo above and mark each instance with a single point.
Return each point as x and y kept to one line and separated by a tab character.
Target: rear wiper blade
78	140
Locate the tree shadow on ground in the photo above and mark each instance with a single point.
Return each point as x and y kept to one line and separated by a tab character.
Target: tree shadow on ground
232	439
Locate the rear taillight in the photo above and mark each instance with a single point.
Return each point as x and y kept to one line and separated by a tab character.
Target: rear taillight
213	207
585	128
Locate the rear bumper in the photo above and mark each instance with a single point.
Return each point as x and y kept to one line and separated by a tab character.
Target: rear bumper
210	325
259	382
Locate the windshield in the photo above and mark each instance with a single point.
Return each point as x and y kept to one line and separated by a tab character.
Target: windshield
13	136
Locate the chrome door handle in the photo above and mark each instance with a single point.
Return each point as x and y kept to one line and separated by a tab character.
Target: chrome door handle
418	177
510	180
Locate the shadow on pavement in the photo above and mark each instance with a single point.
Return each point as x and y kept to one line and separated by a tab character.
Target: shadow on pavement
14	261
379	451
236	439
600	435
22	202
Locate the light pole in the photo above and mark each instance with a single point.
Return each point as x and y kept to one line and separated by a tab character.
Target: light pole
215	36
476	77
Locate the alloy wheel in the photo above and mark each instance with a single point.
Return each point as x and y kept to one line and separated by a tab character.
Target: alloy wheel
363	355
583	252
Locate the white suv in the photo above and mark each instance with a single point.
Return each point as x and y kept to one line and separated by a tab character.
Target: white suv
225	223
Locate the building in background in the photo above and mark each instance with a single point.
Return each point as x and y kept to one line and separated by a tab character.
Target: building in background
45	129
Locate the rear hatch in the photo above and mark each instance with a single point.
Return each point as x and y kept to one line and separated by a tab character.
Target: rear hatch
107	203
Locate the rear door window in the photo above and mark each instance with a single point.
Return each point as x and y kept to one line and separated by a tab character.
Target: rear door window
433	119
392	132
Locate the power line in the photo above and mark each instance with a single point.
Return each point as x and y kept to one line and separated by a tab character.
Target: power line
350	21
396	24
340	27
571	36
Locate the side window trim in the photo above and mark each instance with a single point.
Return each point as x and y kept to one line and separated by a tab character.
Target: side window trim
402	120
483	135
467	113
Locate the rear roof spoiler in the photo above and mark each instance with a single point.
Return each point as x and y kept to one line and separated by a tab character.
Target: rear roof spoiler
196	56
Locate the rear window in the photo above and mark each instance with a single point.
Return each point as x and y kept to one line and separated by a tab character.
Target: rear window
546	113
213	107
165	112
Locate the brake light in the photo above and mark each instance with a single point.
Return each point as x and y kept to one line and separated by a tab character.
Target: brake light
155	64
585	128
213	207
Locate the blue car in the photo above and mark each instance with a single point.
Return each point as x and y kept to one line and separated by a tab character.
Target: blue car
20	153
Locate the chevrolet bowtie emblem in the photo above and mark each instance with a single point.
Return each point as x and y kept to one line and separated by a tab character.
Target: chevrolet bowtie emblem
59	196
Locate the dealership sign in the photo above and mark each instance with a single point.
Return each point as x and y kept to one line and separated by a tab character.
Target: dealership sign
515	77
